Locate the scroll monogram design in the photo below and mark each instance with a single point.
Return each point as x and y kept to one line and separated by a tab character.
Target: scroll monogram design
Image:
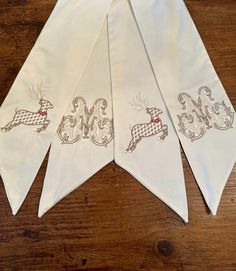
87	124
203	114
154	127
38	118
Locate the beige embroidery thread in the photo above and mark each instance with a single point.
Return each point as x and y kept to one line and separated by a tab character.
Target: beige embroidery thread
203	115
29	118
152	128
87	124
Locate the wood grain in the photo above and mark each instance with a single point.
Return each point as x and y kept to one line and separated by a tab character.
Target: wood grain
112	222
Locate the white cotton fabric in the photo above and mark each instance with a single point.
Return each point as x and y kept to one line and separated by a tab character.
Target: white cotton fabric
55	64
70	164
145	71
181	64
155	163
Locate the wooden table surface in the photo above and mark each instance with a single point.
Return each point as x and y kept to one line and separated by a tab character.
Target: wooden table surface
112	222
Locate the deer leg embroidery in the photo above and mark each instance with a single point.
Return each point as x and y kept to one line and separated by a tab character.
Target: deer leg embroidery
31	118
133	143
10	126
44	127
164	132
149	129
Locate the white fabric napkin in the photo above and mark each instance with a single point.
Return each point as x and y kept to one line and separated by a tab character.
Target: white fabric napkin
198	104
74	156
33	109
84	140
146	144
160	86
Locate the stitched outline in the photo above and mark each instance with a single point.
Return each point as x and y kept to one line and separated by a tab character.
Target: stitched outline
30	118
152	128
87	124
203	115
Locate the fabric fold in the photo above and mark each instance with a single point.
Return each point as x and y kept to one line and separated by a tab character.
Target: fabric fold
33	109
84	140
122	80
146	144
200	109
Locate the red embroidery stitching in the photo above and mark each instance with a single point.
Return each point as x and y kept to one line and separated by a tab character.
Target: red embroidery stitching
152	128
156	120
42	113
29	118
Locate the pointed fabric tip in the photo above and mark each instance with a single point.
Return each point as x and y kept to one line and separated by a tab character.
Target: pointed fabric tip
213	205
22	149
196	99
44	206
15	199
212	177
185	217
58	185
146	144
15	195
176	200
41	213
14	212
80	150
17	178
55	189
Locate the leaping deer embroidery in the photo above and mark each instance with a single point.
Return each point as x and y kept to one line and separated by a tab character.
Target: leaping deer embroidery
152	128
38	118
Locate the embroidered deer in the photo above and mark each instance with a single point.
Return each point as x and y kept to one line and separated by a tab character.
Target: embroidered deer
26	117
152	128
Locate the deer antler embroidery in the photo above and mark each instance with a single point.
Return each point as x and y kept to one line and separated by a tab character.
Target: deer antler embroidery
152	128
26	117
139	104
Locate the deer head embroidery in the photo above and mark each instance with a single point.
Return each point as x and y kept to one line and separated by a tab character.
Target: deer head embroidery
26	117
152	128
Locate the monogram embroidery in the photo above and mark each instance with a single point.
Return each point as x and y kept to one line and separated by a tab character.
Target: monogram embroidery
154	127
87	124
203	115
26	117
